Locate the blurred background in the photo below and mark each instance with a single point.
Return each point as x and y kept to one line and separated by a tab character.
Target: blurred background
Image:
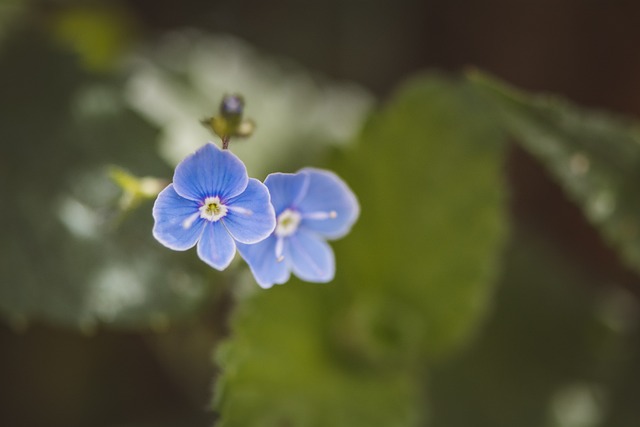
93	333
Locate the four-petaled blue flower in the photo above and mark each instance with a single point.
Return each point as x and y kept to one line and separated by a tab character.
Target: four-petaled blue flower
311	206
212	202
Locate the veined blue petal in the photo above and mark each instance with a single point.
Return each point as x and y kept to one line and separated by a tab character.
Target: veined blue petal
310	257
329	207
264	265
177	225
210	172
286	189
250	217
216	247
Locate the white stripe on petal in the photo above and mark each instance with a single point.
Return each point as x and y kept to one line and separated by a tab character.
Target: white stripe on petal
240	210
187	223
320	215
279	249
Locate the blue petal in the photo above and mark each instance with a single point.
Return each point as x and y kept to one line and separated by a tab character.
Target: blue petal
210	172
171	212
310	257
286	189
327	193
216	247
261	258
250	217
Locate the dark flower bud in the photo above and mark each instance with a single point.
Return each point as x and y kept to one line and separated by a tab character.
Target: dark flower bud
232	106
229	122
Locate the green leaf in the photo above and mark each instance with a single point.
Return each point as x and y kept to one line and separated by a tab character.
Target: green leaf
546	332
281	367
65	258
413	278
428	173
593	155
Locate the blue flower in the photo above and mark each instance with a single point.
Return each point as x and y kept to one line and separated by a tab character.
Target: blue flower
311	206
212	202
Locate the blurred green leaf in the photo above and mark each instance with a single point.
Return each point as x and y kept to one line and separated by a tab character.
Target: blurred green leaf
594	156
413	278
135	189
65	256
292	114
99	34
280	369
428	173
546	336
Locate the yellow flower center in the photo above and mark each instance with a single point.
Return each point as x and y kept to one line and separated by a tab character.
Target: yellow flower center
212	209
287	223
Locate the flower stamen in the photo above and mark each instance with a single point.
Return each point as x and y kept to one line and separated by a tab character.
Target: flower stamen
212	209
287	223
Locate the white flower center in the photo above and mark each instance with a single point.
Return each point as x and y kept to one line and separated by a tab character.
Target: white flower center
287	223
213	209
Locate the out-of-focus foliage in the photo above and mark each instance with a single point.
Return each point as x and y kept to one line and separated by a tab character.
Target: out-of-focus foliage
298	116
65	256
507	377
593	155
72	256
135	189
425	166
554	353
10	11
413	277
99	34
